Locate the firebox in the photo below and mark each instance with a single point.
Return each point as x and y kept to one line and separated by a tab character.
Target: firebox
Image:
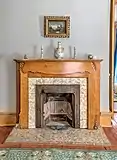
57	103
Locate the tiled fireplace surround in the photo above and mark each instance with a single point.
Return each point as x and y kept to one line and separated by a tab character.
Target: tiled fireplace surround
32	82
34	72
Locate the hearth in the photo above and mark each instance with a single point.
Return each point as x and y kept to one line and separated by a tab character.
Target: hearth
57	103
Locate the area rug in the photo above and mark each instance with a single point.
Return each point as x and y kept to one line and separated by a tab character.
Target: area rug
56	154
68	136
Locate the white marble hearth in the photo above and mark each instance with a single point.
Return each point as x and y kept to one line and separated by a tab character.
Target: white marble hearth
32	82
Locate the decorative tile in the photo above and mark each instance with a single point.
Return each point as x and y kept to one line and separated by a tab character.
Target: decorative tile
67	81
31	98
83	123
31	115
32	89
83	115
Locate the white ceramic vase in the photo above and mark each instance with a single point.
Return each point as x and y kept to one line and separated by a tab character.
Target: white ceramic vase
59	51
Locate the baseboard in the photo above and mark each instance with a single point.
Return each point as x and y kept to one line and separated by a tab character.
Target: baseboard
105	119
7	119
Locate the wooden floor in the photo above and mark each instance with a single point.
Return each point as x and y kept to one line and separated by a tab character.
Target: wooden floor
4	132
111	133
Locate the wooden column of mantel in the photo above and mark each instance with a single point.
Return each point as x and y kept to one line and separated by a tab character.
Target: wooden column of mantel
90	69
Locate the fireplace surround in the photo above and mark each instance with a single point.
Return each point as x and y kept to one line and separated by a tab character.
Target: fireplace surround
32	73
75	86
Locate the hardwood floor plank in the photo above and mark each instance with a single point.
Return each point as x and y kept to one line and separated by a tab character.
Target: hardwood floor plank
45	145
110	133
4	132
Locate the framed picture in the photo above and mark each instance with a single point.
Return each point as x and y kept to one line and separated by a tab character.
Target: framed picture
56	26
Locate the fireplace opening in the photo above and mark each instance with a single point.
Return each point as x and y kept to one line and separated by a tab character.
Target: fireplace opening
58	111
57	106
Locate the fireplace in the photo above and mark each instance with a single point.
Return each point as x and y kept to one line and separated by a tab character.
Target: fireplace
57	103
33	74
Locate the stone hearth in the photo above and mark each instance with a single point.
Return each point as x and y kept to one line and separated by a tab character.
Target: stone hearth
33	82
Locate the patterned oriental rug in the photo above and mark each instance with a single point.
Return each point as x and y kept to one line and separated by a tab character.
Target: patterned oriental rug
68	136
55	154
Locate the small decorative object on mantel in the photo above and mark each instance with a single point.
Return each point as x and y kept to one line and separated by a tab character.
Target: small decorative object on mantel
94	57
25	56
59	51
74	53
41	52
57	26
90	56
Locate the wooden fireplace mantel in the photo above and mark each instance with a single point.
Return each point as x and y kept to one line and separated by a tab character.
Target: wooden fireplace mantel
90	69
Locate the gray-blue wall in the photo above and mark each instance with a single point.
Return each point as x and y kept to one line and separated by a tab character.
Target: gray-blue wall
21	26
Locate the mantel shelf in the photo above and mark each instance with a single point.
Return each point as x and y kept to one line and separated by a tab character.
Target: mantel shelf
57	60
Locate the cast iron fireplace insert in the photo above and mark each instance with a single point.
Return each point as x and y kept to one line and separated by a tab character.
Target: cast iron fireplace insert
66	93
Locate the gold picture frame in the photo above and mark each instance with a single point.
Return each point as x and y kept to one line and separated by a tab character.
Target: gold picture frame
57	26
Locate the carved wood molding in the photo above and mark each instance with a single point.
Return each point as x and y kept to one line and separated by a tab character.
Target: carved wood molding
93	65
45	73
22	64
67	73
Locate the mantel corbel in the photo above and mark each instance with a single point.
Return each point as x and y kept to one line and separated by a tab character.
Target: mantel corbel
93	65
22	64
